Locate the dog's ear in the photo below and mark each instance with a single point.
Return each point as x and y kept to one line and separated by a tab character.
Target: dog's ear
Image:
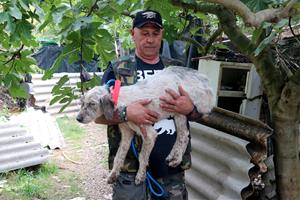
107	106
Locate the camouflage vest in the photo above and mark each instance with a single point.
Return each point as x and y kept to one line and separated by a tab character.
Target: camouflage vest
125	70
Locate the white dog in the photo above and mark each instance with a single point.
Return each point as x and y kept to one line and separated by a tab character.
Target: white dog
97	102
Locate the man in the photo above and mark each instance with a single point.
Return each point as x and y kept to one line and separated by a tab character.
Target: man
147	33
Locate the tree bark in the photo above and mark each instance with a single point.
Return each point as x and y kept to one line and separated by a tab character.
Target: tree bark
287	166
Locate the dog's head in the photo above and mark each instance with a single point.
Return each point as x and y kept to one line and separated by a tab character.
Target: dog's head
95	103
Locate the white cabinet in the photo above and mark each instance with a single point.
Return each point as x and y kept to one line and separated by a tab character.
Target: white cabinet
236	86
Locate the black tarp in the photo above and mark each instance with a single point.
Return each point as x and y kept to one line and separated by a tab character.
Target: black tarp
47	55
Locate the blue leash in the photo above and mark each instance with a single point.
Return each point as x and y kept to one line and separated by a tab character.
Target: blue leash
149	178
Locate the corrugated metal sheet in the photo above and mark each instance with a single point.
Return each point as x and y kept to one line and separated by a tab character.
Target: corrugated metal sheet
18	148
42	126
228	155
220	165
42	92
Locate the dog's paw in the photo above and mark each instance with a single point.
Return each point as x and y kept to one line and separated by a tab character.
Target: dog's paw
170	157
174	159
112	178
140	178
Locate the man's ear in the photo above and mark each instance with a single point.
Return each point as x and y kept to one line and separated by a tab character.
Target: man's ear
107	106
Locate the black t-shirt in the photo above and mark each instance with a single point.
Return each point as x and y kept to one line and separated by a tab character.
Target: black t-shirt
165	128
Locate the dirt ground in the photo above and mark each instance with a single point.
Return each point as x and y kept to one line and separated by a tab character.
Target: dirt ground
88	161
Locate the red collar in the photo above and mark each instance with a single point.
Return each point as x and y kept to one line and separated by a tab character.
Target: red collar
115	92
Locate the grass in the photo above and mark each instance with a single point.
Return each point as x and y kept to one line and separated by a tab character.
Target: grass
4	114
47	181
70	128
27	184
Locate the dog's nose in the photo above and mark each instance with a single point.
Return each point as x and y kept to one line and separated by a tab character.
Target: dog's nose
79	118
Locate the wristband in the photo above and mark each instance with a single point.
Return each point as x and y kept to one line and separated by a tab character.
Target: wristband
191	113
122	113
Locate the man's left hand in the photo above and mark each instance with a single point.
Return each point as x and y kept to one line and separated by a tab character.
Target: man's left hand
177	102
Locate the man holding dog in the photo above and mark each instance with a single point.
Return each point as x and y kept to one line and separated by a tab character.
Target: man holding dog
147	34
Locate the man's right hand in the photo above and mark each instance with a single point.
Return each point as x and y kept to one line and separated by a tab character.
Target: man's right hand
139	114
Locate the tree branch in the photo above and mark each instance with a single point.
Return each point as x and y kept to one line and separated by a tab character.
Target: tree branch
256	19
200	7
228	24
213	37
15	55
92	8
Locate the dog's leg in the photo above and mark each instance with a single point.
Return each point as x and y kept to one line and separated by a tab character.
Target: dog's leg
126	137
182	139
148	143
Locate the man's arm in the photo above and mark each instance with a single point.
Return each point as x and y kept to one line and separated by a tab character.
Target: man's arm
135	112
179	103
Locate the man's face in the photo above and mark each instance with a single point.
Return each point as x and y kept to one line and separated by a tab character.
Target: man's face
147	40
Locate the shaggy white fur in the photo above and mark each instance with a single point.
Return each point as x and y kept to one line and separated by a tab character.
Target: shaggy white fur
97	102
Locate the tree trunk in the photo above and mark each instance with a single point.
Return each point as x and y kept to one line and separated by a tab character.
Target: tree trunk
285	117
287	166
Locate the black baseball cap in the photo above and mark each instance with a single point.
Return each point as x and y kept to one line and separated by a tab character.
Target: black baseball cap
147	16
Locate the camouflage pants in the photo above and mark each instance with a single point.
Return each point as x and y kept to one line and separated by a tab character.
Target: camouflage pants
125	188
174	187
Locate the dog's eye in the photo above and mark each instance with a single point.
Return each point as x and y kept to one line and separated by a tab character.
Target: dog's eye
92	104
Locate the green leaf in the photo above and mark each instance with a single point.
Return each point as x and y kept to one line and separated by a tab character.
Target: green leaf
73	57
64	100
60	83
264	43
3	17
24	4
202	16
89	29
58	13
297	5
39	10
256	34
267	25
74	36
10	26
15	91
87	3
281	23
23	28
55	99
46	22
12	80
81	22
49	72
64	106
255	5
15	12
87	53
221	46
89	41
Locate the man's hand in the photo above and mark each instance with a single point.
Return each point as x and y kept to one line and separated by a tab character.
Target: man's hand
179	103
139	114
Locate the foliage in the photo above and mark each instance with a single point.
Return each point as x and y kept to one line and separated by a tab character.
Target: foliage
26	184
44	182
85	29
